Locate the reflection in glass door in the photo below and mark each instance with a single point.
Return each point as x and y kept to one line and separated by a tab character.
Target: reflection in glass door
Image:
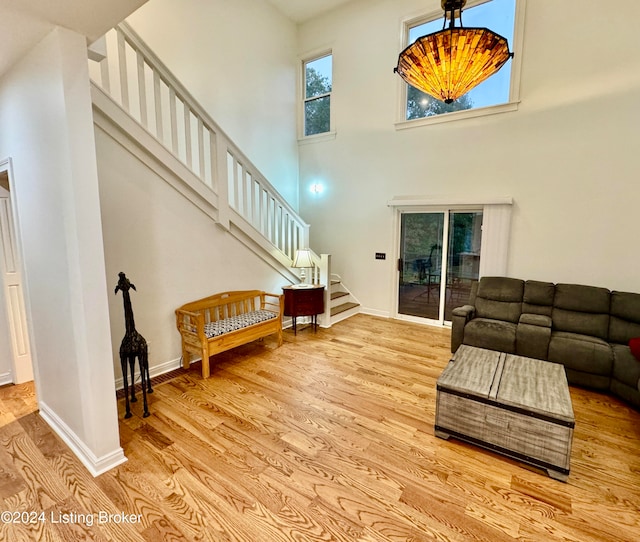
420	264
463	258
439	259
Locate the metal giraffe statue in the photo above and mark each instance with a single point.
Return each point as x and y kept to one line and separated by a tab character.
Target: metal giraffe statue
133	344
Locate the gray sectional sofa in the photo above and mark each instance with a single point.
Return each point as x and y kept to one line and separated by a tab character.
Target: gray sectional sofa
585	328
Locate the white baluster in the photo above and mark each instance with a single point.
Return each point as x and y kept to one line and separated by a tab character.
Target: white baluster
173	120
201	171
157	97
124	78
142	90
187	135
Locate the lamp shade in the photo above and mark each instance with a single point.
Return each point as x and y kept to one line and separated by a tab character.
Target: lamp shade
302	258
449	63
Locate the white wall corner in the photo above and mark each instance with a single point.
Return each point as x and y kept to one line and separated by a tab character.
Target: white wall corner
94	464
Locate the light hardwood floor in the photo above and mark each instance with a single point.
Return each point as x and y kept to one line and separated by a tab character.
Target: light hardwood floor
329	437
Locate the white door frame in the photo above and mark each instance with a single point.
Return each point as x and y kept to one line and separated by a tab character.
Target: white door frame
496	229
11	280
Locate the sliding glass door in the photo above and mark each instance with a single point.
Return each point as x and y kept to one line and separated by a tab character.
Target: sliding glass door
439	259
420	266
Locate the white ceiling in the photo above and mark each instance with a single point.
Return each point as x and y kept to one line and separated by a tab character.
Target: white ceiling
303	10
26	22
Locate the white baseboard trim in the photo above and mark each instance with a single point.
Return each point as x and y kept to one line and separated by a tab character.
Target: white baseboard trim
6	378
375	312
95	465
156	370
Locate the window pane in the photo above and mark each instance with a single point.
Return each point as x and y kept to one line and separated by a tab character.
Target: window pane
420	105
318	77
498	16
317	116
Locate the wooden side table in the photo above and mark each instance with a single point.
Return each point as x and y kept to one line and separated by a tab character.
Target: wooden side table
304	302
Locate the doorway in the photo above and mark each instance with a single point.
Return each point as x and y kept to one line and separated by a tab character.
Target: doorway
439	260
15	358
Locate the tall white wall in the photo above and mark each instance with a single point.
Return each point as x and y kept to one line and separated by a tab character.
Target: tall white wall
567	156
168	248
46	129
238	59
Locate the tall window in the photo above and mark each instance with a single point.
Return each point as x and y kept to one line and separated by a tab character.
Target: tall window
317	95
498	16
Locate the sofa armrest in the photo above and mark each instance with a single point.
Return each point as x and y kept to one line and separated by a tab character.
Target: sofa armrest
535	319
466	311
460	317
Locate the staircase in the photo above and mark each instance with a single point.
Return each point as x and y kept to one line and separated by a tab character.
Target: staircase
133	90
342	303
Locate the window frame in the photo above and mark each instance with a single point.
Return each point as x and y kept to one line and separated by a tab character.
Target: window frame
516	68
304	61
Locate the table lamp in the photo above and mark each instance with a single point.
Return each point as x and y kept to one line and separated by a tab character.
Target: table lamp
303	260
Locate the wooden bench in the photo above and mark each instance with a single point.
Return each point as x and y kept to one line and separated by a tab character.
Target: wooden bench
223	321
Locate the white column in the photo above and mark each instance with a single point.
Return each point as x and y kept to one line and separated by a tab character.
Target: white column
46	128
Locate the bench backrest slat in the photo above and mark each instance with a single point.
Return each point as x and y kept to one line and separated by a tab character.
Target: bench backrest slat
227	304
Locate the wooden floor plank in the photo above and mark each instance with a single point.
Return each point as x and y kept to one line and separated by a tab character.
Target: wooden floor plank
329	437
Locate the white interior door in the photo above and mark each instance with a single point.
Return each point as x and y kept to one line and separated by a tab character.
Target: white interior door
14	308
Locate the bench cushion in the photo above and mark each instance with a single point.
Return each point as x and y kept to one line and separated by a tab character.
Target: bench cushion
215	329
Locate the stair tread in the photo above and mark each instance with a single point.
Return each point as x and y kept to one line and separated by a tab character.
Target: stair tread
336	295
344	307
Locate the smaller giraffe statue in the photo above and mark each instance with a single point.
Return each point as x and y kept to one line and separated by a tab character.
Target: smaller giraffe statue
133	345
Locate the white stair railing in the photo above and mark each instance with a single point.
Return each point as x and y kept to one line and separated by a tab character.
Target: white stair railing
135	78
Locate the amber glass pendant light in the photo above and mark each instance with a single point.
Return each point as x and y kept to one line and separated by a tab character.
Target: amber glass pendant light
449	63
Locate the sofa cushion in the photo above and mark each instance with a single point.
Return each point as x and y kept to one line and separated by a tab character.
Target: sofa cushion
499	298
576	297
491	334
538	297
584	353
501	289
581	309
581	323
624	323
